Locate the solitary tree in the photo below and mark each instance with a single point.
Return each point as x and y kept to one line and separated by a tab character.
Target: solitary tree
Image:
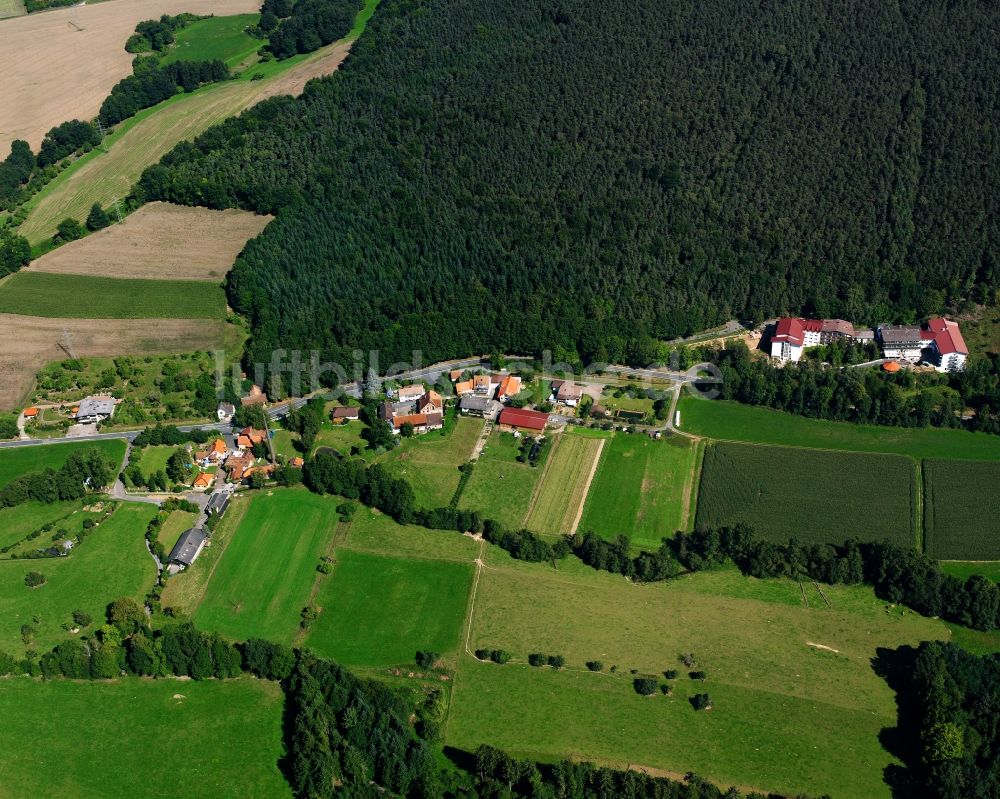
34	579
98	218
645	686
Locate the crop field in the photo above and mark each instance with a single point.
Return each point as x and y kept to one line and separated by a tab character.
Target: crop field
55	71
500	487
429	463
40	340
815	497
112	562
16	461
266	575
160	241
83	297
642	489
102	175
378	611
566	477
962	510
223	38
732	421
226	733
779	700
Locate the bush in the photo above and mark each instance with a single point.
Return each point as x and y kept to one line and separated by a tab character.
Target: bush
34	579
81	619
645	686
701	702
426	659
537	659
698	675
595	665
556	661
670	674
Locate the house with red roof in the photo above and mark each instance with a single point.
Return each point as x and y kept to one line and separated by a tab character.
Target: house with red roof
522	420
792	335
948	350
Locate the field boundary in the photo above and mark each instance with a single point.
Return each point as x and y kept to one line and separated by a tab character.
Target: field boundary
586	486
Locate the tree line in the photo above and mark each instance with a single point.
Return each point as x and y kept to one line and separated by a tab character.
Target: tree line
83	473
311	24
157	34
152	83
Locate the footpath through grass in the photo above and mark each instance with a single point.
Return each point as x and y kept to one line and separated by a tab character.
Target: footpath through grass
16	461
84	297
210	739
735	422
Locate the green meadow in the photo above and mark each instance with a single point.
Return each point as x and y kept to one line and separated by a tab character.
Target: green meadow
732	421
500	487
429	463
556	504
222	38
964	569
266	575
86	297
20	520
112	562
15	461
209	739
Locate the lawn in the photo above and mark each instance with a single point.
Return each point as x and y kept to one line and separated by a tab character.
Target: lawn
15	461
57	736
429	463
555	506
266	575
962	510
735	422
178	522
112	562
500	487
20	520
378	611
812	496
85	297
779	702
154	458
643	489
223	38
11	8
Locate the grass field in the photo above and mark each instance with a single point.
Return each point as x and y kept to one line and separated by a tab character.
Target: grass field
83	297
378	611
11	8
20	520
15	461
962	510
222	38
154	458
227	735
178	522
500	487
375	533
734	422
966	568
815	497
266	576
642	489
429	463
112	562
556	504
779	702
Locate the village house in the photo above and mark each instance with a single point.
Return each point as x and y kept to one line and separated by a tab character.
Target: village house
238	465
217	503
343	415
255	397
522	420
479	406
204	480
214	455
464	387
484	385
410	393
422	422
430	402
297	462
566	392
95	409
30	413
509	387
187	549
225	412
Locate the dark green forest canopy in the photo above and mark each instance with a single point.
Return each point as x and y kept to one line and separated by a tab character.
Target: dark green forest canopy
527	174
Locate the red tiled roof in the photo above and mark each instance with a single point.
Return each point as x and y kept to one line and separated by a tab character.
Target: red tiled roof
947	336
520	417
812	325
790	330
416	419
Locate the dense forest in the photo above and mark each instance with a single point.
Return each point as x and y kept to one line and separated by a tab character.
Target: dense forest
518	175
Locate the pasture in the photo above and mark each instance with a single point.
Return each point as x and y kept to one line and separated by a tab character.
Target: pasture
779	699
15	461
566	478
227	734
964	569
500	487
374	532
266	576
159	241
112	562
20	520
642	489
731	421
812	496
378	611
429	463
222	38
55	71
83	297
962	510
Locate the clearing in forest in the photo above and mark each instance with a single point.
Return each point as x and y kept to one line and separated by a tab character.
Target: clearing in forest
159	241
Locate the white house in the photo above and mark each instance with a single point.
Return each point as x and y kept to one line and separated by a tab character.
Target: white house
225	411
410	393
948	350
788	339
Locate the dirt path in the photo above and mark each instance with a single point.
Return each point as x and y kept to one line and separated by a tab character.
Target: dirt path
586	487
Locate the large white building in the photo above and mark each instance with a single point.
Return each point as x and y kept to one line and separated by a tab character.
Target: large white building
792	335
948	350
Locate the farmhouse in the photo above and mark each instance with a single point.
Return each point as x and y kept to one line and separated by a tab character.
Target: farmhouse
410	393
521	419
225	411
422	422
479	406
343	415
188	547
30	413
95	409
510	386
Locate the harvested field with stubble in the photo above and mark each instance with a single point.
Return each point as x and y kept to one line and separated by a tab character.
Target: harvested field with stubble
159	241
54	71
31	342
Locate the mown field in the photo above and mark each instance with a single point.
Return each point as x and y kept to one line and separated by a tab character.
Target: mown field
642	489
83	297
56	737
735	422
556	504
500	487
814	497
177	523
962	510
429	463
778	701
222	38
266	575
15	461
378	610
112	562
20	520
